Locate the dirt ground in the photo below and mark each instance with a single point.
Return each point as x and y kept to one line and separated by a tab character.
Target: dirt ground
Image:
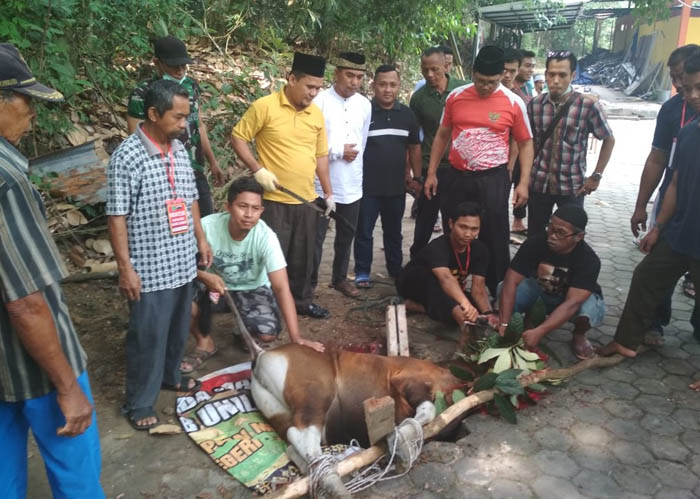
138	465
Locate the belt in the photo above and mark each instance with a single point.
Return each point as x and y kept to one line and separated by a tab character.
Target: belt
481	173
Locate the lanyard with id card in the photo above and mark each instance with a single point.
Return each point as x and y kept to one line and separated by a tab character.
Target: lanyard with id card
175	207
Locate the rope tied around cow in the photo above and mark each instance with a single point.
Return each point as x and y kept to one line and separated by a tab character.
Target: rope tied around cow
325	464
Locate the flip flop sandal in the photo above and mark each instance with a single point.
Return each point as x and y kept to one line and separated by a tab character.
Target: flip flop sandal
363	282
653	339
689	288
132	419
184	381
197	358
585	353
346	288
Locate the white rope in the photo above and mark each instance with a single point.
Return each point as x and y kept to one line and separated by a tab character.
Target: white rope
325	464
319	468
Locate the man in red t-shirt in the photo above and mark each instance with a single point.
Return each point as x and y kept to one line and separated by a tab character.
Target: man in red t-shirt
479	118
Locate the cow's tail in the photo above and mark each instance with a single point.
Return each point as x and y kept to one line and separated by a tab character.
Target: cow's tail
253	347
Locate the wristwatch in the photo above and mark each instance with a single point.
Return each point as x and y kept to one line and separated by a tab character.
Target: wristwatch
420	179
596	175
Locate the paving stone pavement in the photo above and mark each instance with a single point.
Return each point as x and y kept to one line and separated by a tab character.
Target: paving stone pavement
630	431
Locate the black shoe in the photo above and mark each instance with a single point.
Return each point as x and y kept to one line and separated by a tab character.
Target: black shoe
314	311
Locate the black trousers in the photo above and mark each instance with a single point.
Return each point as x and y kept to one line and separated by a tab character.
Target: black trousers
490	189
655	275
427	213
520	211
541	206
295	226
419	284
342	245
205	201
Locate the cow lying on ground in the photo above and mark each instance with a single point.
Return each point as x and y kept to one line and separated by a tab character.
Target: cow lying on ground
315	399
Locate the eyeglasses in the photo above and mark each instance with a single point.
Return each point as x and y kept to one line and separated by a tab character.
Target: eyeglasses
559	233
559	54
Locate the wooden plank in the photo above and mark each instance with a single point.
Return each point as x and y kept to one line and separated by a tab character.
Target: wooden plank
392	340
379	417
402	330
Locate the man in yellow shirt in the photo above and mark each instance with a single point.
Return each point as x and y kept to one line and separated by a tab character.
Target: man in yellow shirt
290	139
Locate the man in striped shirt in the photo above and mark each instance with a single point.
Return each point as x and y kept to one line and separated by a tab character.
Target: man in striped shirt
43	379
558	173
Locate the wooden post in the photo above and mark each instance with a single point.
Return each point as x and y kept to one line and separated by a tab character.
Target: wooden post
379	417
396	331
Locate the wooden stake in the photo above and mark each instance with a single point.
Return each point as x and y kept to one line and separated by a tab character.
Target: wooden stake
368	456
379	417
396	331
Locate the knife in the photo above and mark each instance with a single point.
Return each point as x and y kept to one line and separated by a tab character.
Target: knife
316	207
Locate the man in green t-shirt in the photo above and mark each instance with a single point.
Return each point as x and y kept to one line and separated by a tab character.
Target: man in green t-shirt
171	60
427	104
251	266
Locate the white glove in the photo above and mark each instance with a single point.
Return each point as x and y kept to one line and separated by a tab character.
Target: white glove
330	204
266	178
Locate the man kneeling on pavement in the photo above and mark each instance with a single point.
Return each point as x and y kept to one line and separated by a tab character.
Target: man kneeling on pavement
247	254
562	269
435	280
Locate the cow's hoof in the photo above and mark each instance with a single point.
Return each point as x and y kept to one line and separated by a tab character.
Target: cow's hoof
296	458
334	487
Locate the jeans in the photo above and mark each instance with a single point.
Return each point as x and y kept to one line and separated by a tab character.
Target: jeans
529	290
391	209
342	244
540	209
72	463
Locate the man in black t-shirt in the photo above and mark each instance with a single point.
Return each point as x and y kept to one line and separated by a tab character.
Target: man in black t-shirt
435	280
562	269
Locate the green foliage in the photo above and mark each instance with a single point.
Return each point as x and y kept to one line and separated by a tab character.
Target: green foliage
75	46
440	402
505	408
460	373
457	395
485	382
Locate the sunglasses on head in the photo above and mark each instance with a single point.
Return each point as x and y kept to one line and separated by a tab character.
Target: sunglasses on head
559	54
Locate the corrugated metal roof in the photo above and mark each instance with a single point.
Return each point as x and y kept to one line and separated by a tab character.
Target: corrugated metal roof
522	16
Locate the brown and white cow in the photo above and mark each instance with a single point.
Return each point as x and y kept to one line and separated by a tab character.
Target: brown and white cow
314	398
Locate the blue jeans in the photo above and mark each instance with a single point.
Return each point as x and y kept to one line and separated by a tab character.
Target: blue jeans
391	209
529	290
72	463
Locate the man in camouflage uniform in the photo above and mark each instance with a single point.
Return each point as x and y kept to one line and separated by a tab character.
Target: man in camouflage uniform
171	61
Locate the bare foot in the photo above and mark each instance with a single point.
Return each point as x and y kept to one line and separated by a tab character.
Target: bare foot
582	347
146	421
518	225
612	348
413	306
695	386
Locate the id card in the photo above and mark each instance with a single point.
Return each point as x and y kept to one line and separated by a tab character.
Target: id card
177	216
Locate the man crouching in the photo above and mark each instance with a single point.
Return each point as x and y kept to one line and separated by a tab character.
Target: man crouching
435	280
248	255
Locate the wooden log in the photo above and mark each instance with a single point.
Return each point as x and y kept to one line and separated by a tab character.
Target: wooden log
369	456
379	417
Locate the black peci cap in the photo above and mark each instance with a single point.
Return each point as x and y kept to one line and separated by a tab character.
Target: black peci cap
489	61
171	51
15	75
312	65
573	214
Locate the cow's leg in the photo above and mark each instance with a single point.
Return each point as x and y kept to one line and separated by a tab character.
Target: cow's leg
408	433
306	443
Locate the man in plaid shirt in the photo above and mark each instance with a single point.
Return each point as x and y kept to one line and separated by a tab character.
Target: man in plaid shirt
154	227
558	172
